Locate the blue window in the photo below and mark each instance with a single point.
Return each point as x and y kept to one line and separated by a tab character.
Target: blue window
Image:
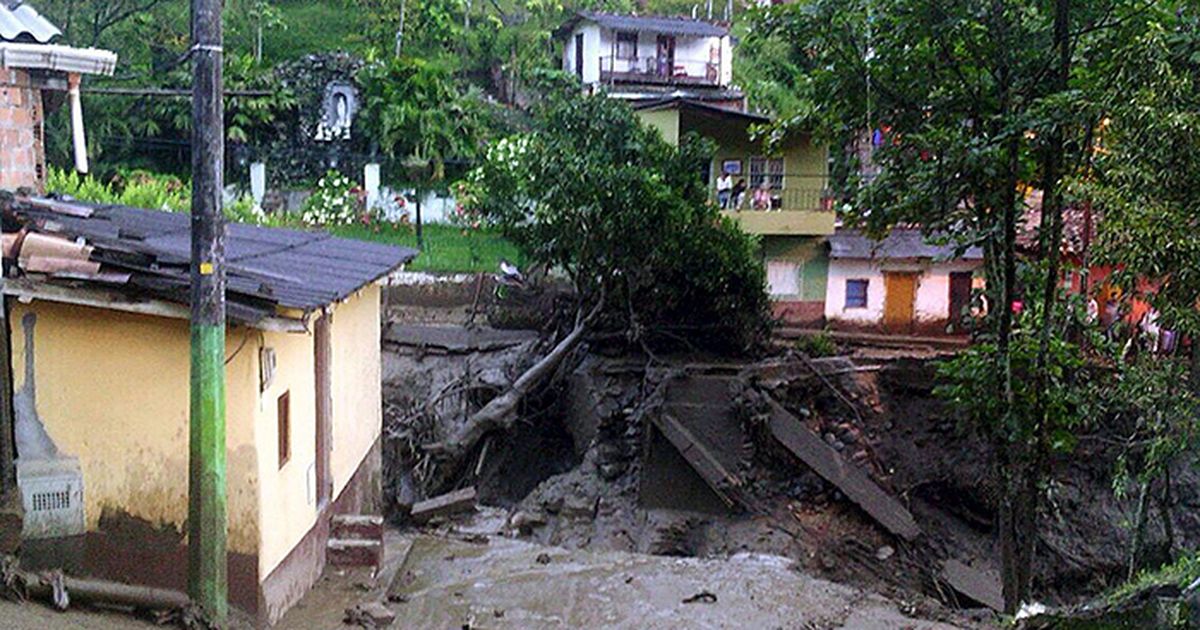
856	294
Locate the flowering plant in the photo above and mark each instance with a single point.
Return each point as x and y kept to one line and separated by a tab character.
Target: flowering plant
334	202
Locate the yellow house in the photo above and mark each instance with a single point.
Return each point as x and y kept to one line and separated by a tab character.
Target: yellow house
100	360
785	200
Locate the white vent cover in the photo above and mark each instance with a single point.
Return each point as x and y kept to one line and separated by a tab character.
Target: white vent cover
52	492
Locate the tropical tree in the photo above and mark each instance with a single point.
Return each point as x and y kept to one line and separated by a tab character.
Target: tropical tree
949	112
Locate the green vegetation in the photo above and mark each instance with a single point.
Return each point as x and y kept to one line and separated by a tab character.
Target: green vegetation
448	249
595	193
817	345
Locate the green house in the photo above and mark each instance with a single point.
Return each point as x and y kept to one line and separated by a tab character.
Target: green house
786	202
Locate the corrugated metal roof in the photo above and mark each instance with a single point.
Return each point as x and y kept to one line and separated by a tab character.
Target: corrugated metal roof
19	22
900	243
266	267
656	24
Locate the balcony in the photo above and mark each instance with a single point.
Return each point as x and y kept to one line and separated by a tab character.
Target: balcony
651	70
789	212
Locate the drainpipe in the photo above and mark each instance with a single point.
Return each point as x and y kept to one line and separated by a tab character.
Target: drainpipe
77	138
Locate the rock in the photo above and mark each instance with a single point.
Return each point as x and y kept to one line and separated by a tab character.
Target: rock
542	558
525	522
885	552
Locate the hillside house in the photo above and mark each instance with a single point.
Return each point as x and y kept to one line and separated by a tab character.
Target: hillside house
34	73
100	358
902	284
794	215
641	58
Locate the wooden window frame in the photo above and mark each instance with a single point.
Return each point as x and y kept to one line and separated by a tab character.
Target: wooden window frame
866	287
283	426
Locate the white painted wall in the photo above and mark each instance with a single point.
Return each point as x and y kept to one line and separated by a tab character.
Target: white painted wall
591	52
932	296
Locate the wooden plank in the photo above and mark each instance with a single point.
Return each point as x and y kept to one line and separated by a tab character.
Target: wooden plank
725	484
457	501
976	584
853	482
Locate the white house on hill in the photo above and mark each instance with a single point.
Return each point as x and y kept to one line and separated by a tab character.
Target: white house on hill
648	57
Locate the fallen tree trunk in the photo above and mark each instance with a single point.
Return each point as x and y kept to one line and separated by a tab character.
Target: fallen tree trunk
61	591
501	412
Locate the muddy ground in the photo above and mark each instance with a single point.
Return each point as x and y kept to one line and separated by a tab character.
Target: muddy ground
570	473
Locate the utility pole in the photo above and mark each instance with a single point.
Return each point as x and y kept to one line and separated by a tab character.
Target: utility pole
207	580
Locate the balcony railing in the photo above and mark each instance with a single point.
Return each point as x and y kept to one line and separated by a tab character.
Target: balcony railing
787	211
784	199
655	70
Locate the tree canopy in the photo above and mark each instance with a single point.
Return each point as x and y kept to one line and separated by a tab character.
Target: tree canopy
595	193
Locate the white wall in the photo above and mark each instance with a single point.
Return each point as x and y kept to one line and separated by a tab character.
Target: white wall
592	48
932	297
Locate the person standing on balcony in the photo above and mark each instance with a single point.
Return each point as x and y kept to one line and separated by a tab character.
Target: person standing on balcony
724	190
738	194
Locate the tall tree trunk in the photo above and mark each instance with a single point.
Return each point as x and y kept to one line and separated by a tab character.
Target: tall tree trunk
1139	530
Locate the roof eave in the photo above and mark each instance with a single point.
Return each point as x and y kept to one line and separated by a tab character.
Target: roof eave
58	58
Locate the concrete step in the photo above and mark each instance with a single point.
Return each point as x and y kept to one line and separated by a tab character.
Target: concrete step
356	526
354	553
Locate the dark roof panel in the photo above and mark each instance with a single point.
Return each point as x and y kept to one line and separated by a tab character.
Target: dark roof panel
900	243
265	266
656	24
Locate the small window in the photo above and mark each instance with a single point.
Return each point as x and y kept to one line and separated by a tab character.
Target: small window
856	294
284	411
769	170
627	45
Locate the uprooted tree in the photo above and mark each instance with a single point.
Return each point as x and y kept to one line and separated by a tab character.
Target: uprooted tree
595	195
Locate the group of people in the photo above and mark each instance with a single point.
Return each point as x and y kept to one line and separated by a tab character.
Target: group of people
732	196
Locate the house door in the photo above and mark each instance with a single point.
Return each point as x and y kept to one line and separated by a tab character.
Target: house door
960	297
900	292
579	55
666	55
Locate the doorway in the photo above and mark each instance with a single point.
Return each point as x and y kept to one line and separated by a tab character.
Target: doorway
900	293
666	56
579	55
960	298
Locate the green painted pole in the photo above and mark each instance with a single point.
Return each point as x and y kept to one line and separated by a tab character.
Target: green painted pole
207	520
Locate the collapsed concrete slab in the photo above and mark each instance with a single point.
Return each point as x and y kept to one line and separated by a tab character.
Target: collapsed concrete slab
852	481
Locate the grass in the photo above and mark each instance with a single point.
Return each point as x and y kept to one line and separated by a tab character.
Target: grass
448	249
314	27
1181	573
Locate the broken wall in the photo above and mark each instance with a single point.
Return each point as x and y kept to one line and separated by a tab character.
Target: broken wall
22	155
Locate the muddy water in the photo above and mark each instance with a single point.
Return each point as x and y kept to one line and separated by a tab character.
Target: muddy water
506	583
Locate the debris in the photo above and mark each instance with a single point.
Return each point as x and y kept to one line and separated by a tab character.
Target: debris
703	597
369	615
979	586
542	558
725	484
827	462
451	503
885	552
525	522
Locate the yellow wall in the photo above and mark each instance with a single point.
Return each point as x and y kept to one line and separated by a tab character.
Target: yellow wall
666	121
288	508
357	383
112	390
